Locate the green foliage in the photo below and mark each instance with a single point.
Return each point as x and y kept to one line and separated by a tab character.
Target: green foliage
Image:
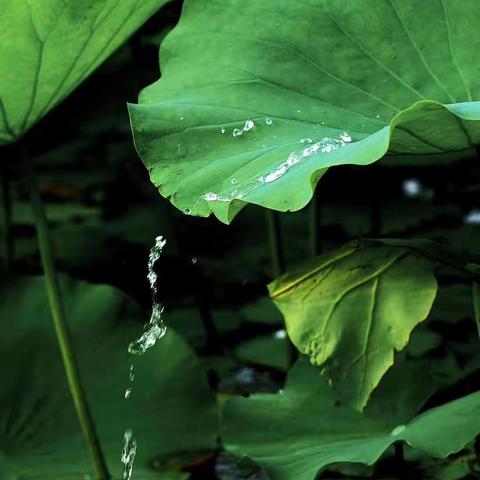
398	76
39	432
256	102
351	309
60	43
296	433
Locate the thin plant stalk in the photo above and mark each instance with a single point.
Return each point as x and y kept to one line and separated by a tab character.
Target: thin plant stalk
314	226
8	253
61	328
401	465
278	266
275	243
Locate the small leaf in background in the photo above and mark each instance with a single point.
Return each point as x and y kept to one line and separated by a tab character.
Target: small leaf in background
351	309
170	408
269	351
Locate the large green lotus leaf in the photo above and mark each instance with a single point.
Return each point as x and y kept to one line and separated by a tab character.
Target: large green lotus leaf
296	433
48	47
350	310
399	76
171	409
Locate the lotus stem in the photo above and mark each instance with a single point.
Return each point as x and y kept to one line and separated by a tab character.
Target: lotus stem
314	226
276	243
278	266
61	328
402	472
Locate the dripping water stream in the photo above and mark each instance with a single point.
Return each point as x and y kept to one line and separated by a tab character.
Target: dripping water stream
153	330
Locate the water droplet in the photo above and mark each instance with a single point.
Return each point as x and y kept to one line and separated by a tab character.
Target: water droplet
128	393
187	211
155	328
306	140
234	181
128	454
249	124
398	430
131	374
268	121
325	145
377	116
210	196
194	260
298	111
182	118
223	130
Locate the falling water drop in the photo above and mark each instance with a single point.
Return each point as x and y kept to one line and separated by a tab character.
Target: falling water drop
131	378
155	328
128	454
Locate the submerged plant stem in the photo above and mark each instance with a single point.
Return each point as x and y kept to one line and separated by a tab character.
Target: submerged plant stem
61	327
